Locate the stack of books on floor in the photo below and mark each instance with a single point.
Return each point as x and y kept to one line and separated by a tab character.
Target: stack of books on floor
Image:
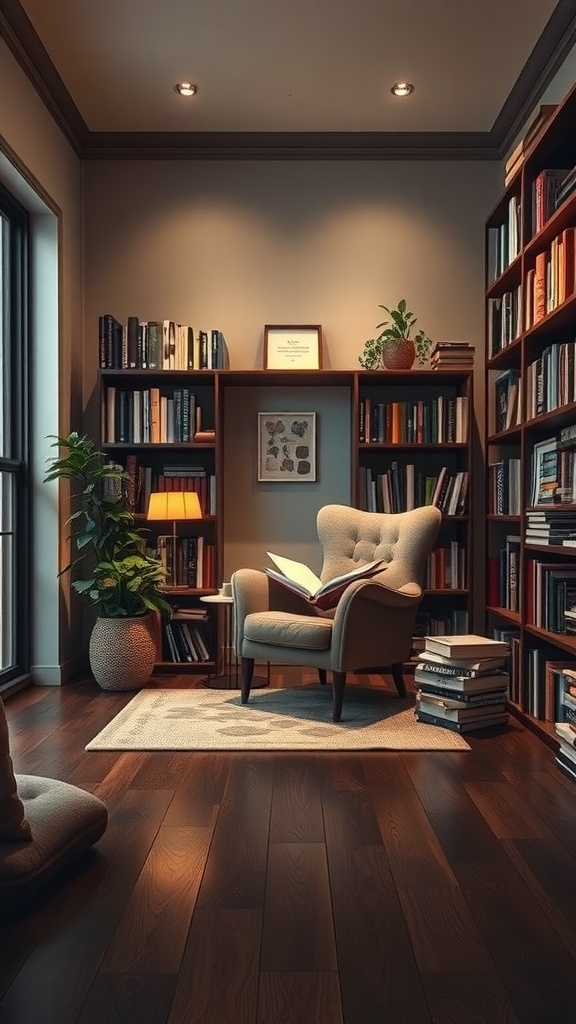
452	355
462	682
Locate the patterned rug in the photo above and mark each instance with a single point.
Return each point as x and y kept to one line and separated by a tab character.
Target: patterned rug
283	719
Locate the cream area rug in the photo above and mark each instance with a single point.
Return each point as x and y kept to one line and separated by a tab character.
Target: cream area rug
282	719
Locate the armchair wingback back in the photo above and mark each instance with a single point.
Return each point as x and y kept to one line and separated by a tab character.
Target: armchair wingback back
404	540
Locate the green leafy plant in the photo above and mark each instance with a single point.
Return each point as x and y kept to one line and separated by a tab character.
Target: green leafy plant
121	578
399	326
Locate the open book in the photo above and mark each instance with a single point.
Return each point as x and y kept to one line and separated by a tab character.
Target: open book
297	577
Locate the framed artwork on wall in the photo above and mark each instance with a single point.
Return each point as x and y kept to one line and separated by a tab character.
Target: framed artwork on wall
287	447
292	347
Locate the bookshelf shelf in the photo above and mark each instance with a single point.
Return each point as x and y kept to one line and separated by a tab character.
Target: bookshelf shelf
537	339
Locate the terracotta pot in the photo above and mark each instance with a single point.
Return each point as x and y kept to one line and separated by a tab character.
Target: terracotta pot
122	652
398	354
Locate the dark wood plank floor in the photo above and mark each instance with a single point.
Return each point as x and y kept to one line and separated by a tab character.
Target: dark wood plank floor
294	888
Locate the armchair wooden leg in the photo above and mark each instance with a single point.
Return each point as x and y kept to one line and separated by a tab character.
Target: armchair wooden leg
398	677
322	676
338	684
247	673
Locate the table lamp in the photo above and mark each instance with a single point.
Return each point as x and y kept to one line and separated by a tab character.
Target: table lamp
174	505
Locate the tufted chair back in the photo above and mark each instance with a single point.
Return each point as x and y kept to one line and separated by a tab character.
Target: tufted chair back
350	536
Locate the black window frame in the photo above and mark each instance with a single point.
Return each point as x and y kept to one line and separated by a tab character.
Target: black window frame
15	283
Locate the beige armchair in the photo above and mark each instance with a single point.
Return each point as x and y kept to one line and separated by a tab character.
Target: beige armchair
372	625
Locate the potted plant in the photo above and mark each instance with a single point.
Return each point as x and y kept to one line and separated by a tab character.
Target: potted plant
394	349
119	577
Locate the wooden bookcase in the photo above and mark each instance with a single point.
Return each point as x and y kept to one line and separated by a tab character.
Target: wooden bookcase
531	399
178	465
444	398
414	428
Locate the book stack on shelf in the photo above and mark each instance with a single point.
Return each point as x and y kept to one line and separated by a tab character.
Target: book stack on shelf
565	728
462	682
453	355
518	154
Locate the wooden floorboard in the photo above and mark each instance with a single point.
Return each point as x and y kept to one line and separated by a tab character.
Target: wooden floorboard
298	888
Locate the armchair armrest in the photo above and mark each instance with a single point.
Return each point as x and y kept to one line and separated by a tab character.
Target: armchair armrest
378	591
373	623
249	594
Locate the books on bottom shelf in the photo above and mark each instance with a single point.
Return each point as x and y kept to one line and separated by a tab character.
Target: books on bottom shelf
185	642
566	753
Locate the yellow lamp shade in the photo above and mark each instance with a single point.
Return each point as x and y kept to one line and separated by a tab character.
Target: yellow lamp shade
174	505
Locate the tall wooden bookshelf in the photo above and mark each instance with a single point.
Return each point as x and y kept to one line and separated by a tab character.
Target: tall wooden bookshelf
531	400
419	419
414	448
188	460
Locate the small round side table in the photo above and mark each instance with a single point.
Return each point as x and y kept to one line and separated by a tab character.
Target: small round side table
229	678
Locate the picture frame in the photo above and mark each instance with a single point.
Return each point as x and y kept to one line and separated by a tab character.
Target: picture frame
287	447
292	347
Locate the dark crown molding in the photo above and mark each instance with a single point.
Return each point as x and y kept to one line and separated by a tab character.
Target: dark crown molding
558	37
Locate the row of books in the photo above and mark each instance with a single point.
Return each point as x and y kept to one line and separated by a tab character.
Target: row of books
505	487
402	488
507	403
504	576
552	279
150	416
565	722
440	623
183	642
462	682
446	568
504	240
544	189
438	420
158	345
550	590
551	379
516	159
553	476
189	561
504	320
554	525
144	479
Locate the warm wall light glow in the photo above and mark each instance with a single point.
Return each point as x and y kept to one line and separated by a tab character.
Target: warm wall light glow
186	89
402	89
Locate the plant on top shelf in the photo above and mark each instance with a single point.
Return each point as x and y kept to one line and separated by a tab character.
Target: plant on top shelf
393	348
121	579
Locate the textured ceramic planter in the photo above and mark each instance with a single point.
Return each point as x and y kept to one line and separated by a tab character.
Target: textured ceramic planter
398	354
122	652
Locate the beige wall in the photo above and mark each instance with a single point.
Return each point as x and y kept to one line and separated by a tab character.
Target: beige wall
40	168
272	516
239	244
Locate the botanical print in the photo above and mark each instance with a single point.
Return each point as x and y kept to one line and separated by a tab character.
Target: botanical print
287	446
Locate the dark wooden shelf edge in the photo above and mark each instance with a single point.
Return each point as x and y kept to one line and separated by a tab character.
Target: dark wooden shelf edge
505	613
180	667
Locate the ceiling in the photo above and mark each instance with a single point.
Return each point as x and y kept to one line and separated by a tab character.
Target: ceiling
302	78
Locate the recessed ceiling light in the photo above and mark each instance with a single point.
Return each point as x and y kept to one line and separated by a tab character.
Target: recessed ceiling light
402	89
186	89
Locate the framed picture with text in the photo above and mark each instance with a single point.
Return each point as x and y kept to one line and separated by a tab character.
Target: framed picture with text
292	347
287	447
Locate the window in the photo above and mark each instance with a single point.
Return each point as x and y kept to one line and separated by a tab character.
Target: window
14	518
